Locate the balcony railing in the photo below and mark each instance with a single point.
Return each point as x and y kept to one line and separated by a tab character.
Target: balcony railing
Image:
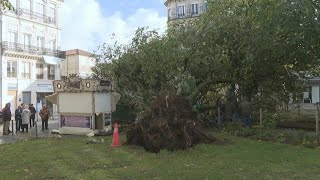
183	15
35	15
16	47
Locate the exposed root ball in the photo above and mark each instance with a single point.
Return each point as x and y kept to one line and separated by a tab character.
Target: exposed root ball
170	124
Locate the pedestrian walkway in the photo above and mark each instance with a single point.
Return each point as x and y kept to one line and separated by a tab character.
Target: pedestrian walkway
18	136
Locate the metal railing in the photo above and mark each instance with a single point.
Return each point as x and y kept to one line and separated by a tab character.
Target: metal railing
35	15
183	15
188	12
16	47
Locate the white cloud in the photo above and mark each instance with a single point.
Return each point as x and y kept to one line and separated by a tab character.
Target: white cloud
85	27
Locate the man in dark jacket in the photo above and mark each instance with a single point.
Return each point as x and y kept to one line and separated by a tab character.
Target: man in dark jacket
6	116
18	117
33	112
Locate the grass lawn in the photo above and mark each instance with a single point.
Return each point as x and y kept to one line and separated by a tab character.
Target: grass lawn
72	158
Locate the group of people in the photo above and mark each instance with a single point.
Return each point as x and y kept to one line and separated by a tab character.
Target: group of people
24	116
229	111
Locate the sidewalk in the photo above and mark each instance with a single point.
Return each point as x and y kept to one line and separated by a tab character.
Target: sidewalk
52	124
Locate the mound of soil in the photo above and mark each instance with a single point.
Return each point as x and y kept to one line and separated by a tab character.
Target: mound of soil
169	124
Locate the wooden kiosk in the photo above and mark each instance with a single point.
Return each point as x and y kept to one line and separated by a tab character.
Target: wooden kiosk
84	105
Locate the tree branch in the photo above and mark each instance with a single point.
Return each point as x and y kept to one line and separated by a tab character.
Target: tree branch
193	96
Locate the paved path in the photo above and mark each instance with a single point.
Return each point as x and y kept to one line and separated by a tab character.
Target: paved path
17	136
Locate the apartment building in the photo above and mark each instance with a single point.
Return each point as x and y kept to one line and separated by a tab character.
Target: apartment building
30	55
181	10
78	62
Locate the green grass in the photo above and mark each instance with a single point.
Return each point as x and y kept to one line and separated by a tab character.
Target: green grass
72	158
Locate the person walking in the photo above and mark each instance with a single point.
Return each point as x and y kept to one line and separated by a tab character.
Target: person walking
25	116
44	114
17	116
32	117
6	117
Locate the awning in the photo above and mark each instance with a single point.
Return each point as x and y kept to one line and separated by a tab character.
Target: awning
53	98
44	88
51	60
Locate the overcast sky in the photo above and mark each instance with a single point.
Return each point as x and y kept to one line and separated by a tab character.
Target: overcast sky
88	23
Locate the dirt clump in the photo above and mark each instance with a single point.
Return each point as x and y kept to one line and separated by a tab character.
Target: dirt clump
169	124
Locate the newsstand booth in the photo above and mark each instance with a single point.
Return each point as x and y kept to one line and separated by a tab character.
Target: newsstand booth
84	105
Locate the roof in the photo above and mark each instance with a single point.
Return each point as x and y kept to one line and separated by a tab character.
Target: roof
78	52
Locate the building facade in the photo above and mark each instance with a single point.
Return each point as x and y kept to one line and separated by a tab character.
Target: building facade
30	55
181	10
77	62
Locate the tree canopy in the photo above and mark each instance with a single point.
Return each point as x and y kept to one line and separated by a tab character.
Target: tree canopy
260	49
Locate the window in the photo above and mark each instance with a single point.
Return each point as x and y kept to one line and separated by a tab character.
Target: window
52	14
26	7
39	68
50	72
26	4
181	11
12	69
169	13
25	70
53	45
26	42
40	9
194	9
40	43
12	37
205	7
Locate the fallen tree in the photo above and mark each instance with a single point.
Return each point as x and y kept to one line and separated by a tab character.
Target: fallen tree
169	124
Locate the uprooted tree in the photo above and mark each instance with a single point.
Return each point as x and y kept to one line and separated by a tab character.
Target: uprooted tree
169	124
257	48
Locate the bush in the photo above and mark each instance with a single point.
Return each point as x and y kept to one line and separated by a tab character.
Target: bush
237	129
295	137
267	135
310	141
270	120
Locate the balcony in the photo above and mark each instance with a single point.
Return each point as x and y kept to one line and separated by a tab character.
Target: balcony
36	16
33	50
174	16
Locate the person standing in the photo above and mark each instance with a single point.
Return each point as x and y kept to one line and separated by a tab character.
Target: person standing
245	110
230	109
32	117
25	116
44	114
6	116
220	112
17	116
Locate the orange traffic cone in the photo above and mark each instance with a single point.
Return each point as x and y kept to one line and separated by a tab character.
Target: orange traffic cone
115	139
